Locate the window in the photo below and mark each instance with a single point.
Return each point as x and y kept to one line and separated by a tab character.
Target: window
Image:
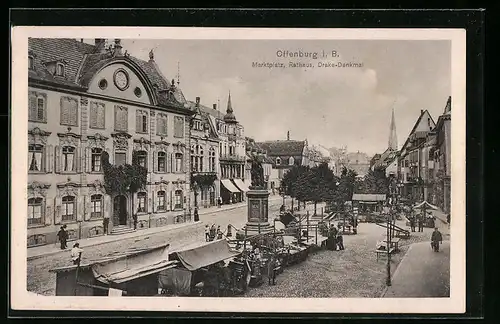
120	158
60	69
37	107
31	65
220	148
278	161
96	206
179	127
96	159
161	124
161	200
142	159
69	111
121	118
291	161
178	199
231	150
68	153
35	211
162	162
141	121
97	115
68	208
141	202
178	162
211	159
35	154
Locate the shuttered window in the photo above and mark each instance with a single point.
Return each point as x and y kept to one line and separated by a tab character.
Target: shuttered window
161	124
69	111
141	121
35	211
121	118
97	115
179	127
37	111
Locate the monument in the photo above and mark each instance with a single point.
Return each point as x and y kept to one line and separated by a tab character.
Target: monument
257	203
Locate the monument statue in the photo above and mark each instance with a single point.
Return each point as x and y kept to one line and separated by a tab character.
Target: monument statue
257	174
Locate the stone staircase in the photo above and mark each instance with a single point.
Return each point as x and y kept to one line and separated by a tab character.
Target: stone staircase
121	229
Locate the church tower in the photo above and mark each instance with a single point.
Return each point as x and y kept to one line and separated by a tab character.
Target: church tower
393	138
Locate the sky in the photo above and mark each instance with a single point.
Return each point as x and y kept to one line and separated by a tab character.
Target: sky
333	107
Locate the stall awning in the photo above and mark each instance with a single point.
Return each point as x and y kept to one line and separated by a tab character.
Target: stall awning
229	185
368	197
202	255
427	205
241	185
134	273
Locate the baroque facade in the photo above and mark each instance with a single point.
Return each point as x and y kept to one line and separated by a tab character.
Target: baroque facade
86	99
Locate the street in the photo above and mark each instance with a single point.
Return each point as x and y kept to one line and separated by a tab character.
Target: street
41	281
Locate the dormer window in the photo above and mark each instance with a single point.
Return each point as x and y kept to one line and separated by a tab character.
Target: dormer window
60	69
31	64
291	161
278	161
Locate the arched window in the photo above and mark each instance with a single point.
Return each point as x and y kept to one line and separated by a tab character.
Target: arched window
141	202
162	162
60	69
278	161
35	211
178	162
211	159
68	208
35	157
68	153
96	159
96	206
161	200
178	199
291	161
142	159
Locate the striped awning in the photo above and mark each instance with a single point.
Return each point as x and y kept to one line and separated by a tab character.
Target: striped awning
241	185
229	185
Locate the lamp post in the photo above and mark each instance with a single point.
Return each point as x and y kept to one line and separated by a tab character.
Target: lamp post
283	191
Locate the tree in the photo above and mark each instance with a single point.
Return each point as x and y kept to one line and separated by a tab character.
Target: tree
345	188
375	182
290	181
200	181
323	183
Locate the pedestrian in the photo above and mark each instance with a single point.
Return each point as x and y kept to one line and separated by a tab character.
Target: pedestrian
412	223
271	270
196	215
340	240
105	223
212	232
219	233
332	238
134	218
421	223
207	233
63	236
219	201
436	238
76	253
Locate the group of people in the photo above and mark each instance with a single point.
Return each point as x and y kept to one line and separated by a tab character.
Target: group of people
212	233
417	220
335	239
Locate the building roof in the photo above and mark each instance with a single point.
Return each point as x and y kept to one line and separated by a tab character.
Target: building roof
230	118
385	158
422	113
254	149
82	61
283	148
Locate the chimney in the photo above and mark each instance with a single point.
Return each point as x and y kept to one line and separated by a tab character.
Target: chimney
197	101
118	47
99	44
215	106
288	135
81	40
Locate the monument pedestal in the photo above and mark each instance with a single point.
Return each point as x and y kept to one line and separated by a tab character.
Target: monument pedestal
257	204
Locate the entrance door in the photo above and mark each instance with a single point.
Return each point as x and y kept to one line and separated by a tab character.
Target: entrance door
120	210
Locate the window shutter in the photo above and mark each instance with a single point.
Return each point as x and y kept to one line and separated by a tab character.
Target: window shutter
49	159
172	200
57	159
88	208
150	202
138	122
101	116
78	160
155	161
154	199
74	112
106	206
44	159
32	107
58	210
172	162
80	203
168	163
182	164
93	114
46	210
88	159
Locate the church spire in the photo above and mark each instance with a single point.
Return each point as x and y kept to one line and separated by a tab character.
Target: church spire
393	138
229	117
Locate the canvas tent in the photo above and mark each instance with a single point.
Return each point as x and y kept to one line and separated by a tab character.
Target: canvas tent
424	204
198	256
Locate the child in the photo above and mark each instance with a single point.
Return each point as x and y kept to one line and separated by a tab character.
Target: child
76	253
340	240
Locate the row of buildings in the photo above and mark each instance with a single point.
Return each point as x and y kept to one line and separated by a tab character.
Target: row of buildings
422	167
86	99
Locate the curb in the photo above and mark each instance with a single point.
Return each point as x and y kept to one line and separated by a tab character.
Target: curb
118	238
396	272
221	210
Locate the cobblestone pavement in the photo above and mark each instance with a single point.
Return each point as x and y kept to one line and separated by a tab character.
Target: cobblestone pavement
353	273
41	281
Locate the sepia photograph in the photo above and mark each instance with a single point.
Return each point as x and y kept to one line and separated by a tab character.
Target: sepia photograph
239	167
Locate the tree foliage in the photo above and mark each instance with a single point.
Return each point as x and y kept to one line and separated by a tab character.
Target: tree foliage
120	179
375	182
203	180
345	188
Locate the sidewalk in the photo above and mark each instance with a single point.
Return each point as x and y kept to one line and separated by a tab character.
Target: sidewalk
49	249
422	273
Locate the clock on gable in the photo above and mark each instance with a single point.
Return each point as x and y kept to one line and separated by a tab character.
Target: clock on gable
121	79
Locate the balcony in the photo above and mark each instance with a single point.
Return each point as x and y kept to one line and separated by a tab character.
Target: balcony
232	158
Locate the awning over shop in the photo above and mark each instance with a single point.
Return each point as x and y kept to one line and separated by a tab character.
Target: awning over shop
427	205
207	253
229	185
241	185
368	197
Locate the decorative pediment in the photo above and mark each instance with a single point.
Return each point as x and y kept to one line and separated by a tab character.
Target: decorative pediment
38	136
97	140
178	183
84	101
179	146
69	138
141	144
68	188
162	146
96	187
120	141
162	185
37	189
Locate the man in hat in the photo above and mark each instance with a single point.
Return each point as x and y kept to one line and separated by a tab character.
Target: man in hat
340	239
436	238
421	219
63	236
207	233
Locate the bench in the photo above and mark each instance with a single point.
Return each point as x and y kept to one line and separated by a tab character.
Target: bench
391	251
394	243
